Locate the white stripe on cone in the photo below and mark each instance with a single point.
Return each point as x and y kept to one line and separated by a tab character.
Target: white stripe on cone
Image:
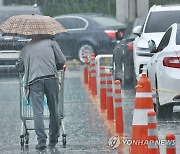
143	94
140	116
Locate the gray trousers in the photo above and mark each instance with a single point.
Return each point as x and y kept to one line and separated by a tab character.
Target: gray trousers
50	87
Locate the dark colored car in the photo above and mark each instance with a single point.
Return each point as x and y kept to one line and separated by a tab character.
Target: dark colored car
92	32
10	46
123	55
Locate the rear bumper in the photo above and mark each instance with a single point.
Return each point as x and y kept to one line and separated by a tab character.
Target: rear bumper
8	65
8	69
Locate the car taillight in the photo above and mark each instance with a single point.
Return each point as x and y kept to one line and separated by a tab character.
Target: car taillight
111	33
172	62
130	46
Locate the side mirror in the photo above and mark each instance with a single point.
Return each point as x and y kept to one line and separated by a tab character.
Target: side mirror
152	46
119	34
137	30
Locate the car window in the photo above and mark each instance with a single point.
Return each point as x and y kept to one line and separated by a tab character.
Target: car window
128	30
106	21
160	21
178	35
165	40
6	14
72	23
139	21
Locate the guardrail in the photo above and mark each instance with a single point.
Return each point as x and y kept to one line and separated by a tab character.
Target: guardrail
107	62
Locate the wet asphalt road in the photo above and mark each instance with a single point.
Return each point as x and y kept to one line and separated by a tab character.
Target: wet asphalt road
87	132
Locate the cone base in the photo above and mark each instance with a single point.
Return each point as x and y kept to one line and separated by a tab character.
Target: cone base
139	139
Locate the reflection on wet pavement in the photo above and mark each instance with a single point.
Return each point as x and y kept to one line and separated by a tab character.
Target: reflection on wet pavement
46	151
85	128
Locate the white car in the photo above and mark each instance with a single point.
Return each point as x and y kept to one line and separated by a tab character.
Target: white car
158	20
163	71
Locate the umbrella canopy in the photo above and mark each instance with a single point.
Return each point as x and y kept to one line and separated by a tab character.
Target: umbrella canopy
31	26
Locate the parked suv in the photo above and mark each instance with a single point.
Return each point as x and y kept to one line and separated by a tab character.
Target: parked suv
157	22
10	46
123	55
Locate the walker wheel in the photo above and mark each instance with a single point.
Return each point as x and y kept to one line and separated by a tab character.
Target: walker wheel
64	141
27	139
22	141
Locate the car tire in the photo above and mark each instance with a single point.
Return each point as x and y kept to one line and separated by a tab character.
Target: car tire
117	64
129	81
82	47
164	112
128	73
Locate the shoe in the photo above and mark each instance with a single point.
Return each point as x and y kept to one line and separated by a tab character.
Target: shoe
41	146
52	144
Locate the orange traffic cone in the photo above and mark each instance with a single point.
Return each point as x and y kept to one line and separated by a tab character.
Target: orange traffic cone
118	108
170	144
102	88
153	147
93	76
90	62
143	104
85	70
86	53
109	97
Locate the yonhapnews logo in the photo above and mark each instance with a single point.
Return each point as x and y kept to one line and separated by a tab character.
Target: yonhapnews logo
114	142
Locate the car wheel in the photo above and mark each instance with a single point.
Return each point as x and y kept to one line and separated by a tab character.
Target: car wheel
118	73
128	77
117	64
163	112
83	47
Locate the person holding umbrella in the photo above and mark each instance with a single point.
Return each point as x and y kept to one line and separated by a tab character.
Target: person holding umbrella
40	59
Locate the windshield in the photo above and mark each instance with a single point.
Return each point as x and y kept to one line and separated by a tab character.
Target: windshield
160	21
6	14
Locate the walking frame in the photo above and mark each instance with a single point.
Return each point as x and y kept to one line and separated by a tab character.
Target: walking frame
26	111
